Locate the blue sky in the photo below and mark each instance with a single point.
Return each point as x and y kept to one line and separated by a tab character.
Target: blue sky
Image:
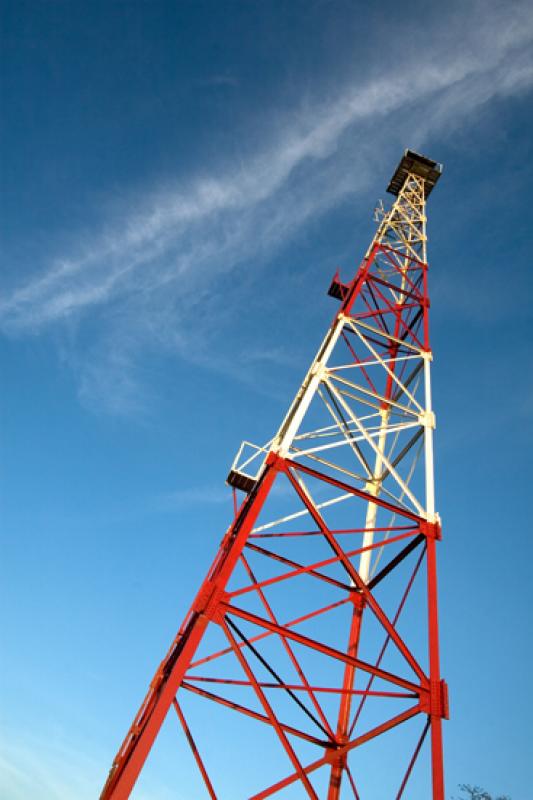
180	180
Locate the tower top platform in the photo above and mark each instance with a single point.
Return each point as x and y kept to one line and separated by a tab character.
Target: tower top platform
427	169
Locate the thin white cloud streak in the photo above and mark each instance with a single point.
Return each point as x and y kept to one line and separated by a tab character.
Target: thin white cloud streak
194	496
201	496
47	770
179	220
48	767
157	267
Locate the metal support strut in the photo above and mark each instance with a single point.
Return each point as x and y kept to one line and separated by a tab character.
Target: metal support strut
292	630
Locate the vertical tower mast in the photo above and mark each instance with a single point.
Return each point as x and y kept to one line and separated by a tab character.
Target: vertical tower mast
315	571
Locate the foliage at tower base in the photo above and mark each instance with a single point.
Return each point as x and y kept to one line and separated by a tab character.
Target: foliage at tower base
477	793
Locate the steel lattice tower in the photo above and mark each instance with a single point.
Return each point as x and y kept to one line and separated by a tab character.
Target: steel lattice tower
302	633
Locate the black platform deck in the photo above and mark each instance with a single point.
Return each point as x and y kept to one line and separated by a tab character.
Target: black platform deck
337	289
239	480
419	165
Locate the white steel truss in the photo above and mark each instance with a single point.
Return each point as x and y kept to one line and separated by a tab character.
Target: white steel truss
368	387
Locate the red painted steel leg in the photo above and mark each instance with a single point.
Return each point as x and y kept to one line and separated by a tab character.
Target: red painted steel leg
140	738
345	705
437	764
436	709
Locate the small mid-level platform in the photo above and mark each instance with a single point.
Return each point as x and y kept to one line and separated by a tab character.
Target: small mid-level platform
338	289
239	480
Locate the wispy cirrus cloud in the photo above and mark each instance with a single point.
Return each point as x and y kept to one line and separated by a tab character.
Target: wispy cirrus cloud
154	268
193	496
49	767
208	495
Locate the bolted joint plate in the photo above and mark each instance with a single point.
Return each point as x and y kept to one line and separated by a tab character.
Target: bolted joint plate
428	419
333	757
435	701
208	601
431	530
275	461
358	599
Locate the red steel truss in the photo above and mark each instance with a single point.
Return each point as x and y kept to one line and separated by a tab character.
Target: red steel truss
316	628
